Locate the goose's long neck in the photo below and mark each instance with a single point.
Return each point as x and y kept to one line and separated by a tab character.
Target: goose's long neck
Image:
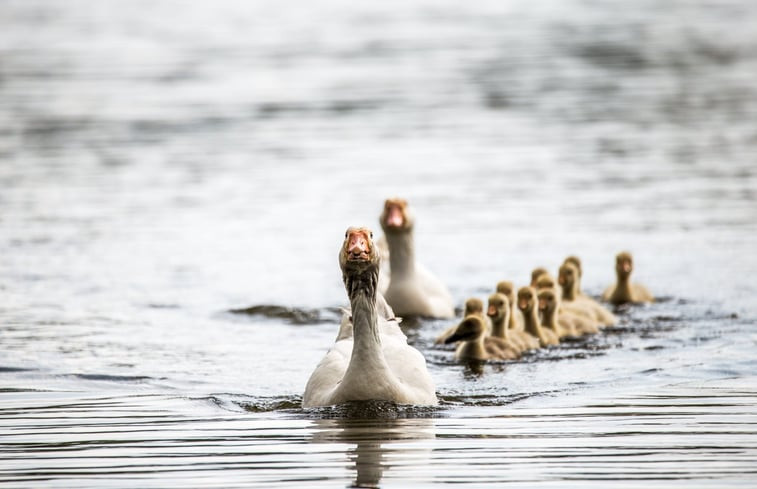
549	318
361	288
623	288
401	253
499	326
532	326
570	292
513	322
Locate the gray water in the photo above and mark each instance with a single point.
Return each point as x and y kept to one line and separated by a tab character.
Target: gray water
164	163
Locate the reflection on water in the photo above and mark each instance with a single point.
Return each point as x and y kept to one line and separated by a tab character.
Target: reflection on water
175	181
375	446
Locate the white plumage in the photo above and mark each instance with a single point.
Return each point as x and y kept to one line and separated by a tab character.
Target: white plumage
374	362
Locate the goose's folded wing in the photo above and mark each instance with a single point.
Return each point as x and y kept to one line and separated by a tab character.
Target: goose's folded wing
327	374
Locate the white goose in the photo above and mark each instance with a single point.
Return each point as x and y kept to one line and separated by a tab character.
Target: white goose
412	290
368	365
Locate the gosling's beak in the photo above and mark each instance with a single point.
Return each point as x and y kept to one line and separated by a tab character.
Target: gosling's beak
452	339
492	311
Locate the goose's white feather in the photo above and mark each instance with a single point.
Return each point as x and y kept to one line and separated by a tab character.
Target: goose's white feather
370	360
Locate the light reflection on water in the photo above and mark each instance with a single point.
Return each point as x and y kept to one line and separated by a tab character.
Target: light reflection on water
162	165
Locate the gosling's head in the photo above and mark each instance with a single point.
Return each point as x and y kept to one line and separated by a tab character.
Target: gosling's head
623	264
545	281
547	301
568	275
474	306
576	261
505	287
470	328
499	307
396	216
526	299
536	273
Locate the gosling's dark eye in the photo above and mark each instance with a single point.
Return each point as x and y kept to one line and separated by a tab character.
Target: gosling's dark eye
371	235
345	235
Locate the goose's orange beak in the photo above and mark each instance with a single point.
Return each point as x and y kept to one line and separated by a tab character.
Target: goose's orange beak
358	246
394	217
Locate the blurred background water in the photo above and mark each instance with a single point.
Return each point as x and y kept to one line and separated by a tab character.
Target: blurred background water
162	163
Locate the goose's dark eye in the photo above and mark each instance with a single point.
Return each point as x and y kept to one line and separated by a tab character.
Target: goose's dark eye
371	234
345	235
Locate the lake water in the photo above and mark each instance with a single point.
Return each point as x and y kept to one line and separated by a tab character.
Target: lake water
163	163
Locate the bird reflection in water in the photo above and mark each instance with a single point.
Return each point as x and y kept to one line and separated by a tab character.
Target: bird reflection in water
473	368
378	439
